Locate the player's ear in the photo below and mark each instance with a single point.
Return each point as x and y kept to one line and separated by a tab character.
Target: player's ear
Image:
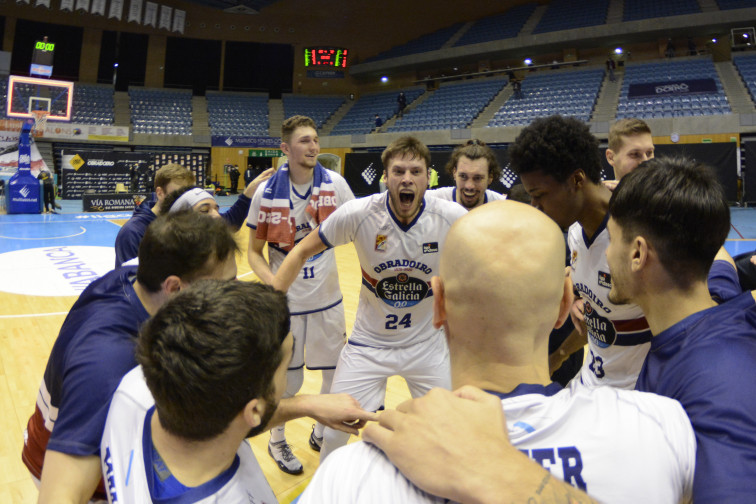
564	305
610	157
640	252
171	285
439	307
253	413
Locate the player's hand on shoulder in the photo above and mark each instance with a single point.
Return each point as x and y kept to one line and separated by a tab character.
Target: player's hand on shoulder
249	191
440	440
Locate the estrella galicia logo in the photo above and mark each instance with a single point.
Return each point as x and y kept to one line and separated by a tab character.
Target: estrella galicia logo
430	248
24	191
600	329
402	290
604	279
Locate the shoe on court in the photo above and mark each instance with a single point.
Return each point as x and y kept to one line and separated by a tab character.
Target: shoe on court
315	441
282	454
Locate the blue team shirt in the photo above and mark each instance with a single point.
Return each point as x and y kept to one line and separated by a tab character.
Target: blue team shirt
707	361
93	351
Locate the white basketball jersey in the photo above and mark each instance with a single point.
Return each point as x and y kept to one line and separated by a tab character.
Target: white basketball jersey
123	456
619	446
618	335
317	285
397	264
450	194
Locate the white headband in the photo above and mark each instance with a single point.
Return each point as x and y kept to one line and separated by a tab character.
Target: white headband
189	199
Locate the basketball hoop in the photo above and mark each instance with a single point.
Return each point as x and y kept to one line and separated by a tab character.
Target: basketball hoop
40	119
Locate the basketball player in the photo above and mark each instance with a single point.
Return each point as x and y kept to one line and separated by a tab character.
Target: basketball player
168	435
558	161
398	235
668	219
291	205
473	167
630	144
167	179
95	349
506	260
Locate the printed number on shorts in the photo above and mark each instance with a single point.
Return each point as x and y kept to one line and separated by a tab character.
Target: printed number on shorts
309	272
391	321
597	366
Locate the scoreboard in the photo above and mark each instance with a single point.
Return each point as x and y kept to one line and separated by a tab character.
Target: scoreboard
42	58
335	57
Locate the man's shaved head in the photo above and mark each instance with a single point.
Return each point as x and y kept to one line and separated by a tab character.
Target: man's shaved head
502	268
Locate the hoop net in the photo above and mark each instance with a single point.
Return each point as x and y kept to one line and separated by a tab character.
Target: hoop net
40	120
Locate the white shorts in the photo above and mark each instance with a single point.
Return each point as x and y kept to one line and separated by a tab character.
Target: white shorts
323	333
363	371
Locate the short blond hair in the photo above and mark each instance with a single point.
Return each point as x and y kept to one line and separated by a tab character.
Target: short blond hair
625	128
173	172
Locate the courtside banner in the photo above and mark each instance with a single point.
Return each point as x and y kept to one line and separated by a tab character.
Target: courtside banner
100	172
246	141
112	202
671	88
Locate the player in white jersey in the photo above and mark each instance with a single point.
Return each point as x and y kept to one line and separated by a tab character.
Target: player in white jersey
501	288
131	463
213	364
558	162
398	235
473	166
291	204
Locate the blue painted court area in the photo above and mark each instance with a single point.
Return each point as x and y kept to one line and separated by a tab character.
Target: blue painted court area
742	237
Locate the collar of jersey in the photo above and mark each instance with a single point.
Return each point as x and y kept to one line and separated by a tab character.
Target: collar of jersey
194	494
404	227
602	226
528	388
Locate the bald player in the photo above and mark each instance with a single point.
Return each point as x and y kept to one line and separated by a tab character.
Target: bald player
474	167
501	289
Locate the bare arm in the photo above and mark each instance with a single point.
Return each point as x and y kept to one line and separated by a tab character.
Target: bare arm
337	411
249	191
723	255
296	258
467	427
69	478
257	260
571	344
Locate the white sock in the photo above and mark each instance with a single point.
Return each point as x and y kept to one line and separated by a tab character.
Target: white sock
278	434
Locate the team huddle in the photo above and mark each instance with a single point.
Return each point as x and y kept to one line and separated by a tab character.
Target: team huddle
164	367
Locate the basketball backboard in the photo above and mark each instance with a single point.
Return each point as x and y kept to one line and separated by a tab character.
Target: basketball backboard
27	94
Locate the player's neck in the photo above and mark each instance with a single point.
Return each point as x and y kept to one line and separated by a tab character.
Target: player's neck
664	304
300	174
595	207
194	462
151	301
499	371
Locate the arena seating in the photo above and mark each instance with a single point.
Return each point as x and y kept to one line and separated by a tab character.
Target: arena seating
92	104
160	111
499	27
361	117
734	4
545	93
746	65
430	42
237	114
452	106
672	106
645	9
571	14
319	108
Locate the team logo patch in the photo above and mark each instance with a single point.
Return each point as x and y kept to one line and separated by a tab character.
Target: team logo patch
600	329
380	243
604	279
430	248
402	291
573	259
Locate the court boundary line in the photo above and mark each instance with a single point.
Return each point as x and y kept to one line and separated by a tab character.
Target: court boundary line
33	314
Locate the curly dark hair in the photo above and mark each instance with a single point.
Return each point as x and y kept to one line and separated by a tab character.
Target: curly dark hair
557	146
